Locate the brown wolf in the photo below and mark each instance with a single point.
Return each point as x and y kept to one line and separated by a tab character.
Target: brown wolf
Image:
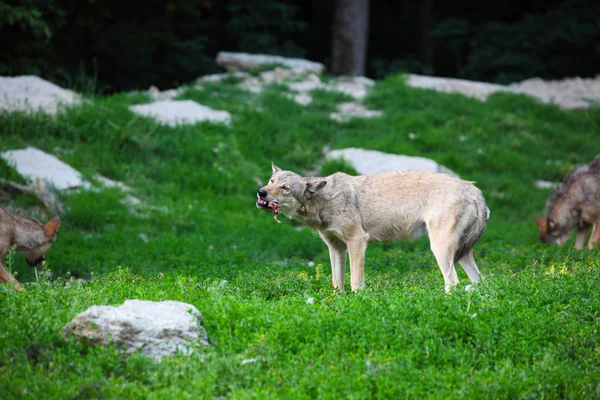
30	237
574	205
350	211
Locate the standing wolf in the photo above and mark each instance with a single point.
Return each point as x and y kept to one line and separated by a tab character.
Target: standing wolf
350	211
574	205
30	237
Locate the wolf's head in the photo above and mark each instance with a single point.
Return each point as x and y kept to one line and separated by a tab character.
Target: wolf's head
557	226
287	191
39	241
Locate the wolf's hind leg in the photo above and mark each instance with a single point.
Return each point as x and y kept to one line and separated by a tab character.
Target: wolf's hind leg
337	256
595	238
444	255
357	246
468	264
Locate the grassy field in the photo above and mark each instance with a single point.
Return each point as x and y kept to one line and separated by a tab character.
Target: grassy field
530	330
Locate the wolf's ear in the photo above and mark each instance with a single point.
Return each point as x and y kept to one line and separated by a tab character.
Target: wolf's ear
275	168
542	224
313	187
52	226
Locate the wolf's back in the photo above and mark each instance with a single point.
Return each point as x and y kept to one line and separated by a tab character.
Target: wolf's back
595	165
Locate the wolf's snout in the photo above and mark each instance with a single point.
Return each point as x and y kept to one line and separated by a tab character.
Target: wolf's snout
262	193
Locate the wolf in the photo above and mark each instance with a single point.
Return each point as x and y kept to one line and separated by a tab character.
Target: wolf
30	237
348	212
574	206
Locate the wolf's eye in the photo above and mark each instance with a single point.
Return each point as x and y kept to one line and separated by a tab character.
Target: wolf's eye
286	189
272	180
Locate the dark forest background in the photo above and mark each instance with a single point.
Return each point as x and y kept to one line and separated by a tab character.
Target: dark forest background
133	44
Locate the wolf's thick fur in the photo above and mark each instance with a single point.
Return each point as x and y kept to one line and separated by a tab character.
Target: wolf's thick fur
574	205
30	237
350	211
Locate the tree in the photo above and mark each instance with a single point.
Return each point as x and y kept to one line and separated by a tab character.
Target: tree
350	30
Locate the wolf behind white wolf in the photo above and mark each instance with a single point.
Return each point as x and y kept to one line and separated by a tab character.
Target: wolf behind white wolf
574	206
351	211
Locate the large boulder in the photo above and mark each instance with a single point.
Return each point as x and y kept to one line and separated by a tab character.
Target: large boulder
157	329
248	62
367	162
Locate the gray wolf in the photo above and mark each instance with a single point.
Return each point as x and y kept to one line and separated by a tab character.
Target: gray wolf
29	236
348	212
574	205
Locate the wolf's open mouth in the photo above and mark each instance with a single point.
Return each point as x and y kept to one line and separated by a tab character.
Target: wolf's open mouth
273	205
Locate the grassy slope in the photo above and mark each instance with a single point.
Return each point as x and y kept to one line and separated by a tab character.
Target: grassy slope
528	331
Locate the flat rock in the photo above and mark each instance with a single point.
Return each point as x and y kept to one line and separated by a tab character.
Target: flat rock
30	93
478	90
157	329
367	162
350	110
175	112
35	164
217	78
355	86
568	93
247	62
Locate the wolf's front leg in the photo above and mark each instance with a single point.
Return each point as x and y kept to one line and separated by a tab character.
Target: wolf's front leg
581	235
337	255
357	246
6	277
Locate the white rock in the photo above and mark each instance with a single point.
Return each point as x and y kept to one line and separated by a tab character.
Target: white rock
216	78
109	183
279	75
350	110
367	162
157	329
251	84
357	87
174	112
568	93
478	90
35	164
303	98
168	94
546	184
311	82
31	93
247	62
153	92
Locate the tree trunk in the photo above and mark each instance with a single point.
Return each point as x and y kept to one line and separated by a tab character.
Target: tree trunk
425	25
350	28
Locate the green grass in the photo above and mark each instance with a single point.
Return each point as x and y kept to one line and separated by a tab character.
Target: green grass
529	331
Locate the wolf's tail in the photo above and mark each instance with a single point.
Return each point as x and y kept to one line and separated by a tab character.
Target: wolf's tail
473	230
